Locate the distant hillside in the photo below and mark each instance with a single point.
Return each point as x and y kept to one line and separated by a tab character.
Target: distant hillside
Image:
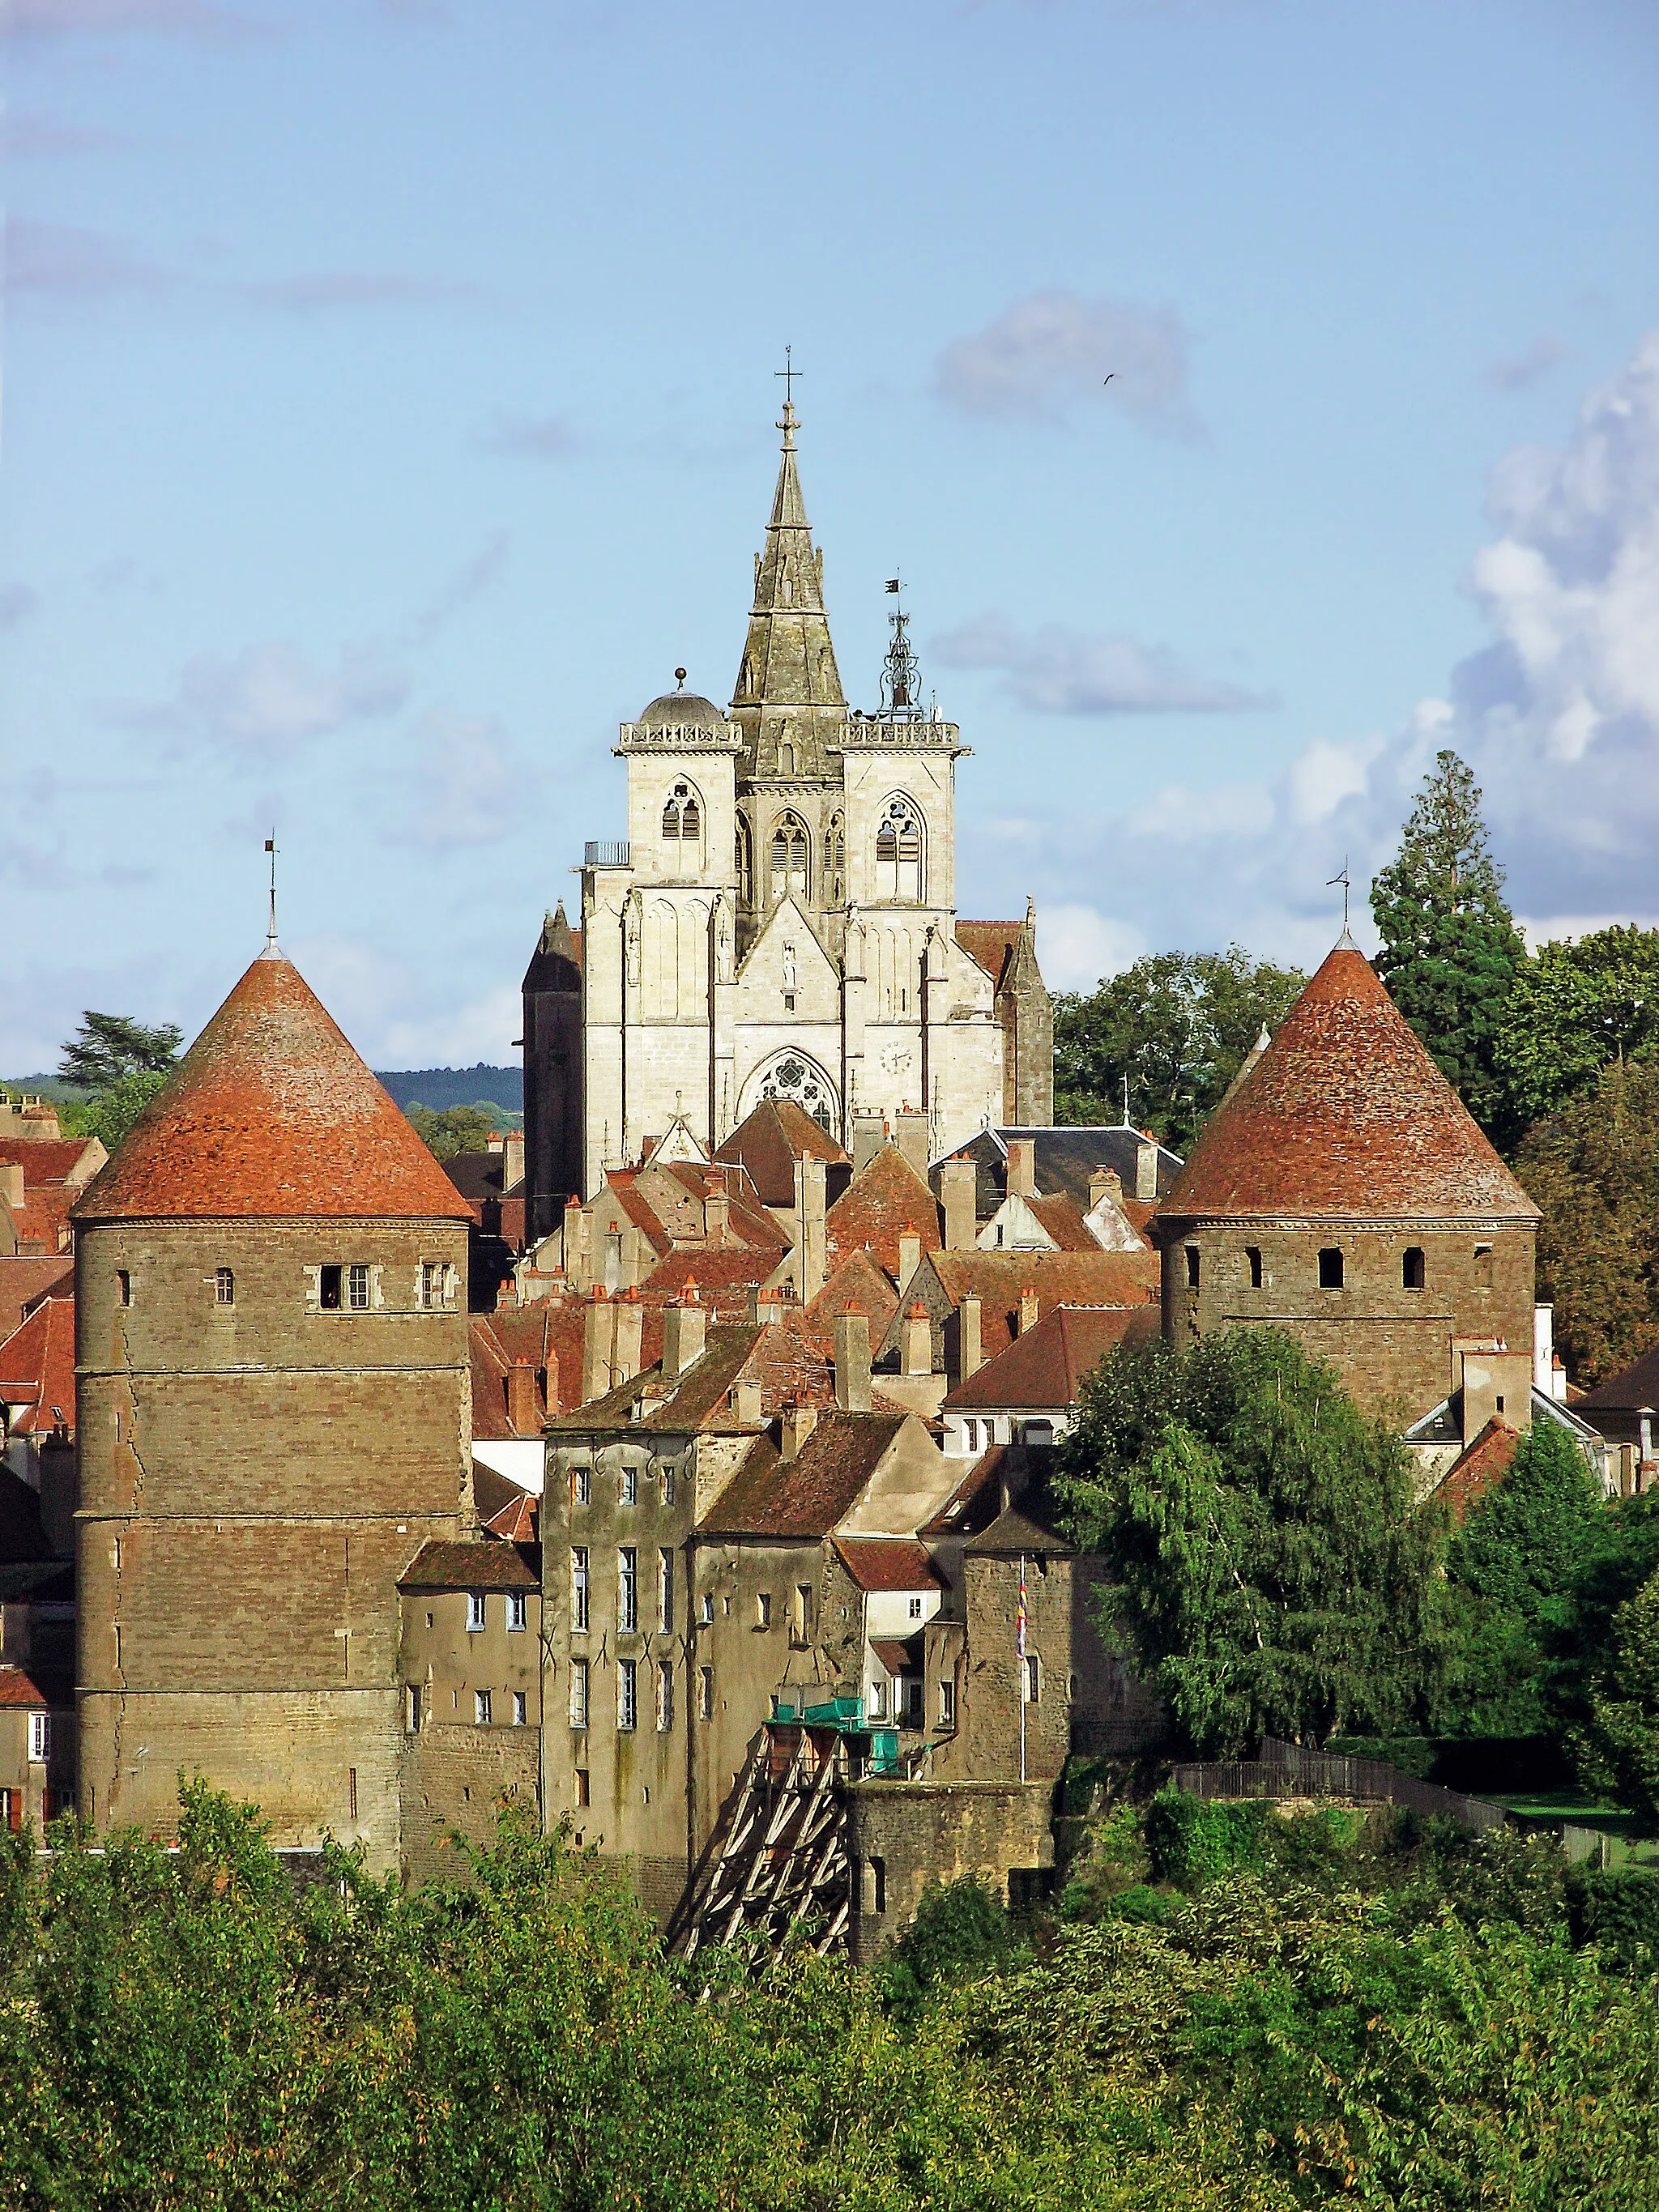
42	1086
439	1087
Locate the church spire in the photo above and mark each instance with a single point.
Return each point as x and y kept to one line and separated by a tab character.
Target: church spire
788	698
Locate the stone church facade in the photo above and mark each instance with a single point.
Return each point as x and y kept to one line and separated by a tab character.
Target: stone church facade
780	920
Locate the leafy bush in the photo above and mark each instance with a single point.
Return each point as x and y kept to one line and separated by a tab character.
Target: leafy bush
1618	1910
1190	1841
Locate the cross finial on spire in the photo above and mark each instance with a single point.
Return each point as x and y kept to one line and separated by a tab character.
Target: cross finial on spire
273	951
1345	942
789	373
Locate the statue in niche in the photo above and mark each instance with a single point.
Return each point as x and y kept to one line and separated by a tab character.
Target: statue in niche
631	937
722	941
788	967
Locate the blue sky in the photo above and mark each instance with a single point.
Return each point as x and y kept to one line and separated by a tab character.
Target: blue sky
388	407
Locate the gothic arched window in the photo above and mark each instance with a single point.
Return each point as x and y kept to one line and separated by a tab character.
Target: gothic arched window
745	862
681	817
834	860
898	852
789	857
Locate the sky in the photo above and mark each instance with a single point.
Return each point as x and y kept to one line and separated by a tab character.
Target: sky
388	409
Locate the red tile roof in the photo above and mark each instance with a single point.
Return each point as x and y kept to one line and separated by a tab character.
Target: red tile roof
493	1350
878	1206
1346	1114
856	1277
887	1563
806	1495
1047	1365
48	1160
24	1281
270	1114
491	1565
1479	1467
516	1520
36	1368
724	1275
770	1139
991	943
1082	1278
1059	1216
16	1689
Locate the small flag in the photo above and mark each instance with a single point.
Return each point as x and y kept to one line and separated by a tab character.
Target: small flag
892	583
271	844
1022	1616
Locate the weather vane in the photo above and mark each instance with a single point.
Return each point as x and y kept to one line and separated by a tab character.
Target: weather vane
270	933
901	688
1343	880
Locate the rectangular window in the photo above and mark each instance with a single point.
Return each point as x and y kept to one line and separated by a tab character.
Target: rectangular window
1032	1684
665	1592
705	1694
40	1735
328	1288
878	1699
1330	1268
432	1283
1411	1269
581	1786
224	1287
475	1611
518	1611
123	1287
520	1709
665	1696
357	1288
916	1702
916	1608
351	1791
414	1710
628	1589
1253	1260
800	1624
628	1693
1193	1263
763	1609
706	1609
582	1485
481	1707
667	1484
579	1693
579	1588
630	1486
947	1705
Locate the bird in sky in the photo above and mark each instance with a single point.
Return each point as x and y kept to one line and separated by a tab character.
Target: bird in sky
1109	378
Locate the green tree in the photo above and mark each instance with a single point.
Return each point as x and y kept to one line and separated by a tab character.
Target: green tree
1514	1572
1623	1728
457	1129
1451	948
1593	1170
1176	1026
1575	1008
107	1047
109	1114
1269	1567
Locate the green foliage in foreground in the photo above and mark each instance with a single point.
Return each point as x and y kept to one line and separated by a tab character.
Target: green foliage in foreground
1363	2020
109	1114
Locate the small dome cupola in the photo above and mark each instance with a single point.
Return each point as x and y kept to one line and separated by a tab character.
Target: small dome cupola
681	710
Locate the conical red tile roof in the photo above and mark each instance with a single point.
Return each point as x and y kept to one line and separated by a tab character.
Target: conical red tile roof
271	1114
1345	1114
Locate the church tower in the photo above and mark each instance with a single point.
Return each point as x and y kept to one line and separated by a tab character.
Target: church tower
552	1042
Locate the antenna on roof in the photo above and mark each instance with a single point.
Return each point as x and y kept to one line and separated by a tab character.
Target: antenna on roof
1345	940
273	951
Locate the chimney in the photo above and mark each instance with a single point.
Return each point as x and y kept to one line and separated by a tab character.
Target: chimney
764	1306
628	1324
916	1341
799	1423
852	1360
575	1253
869	1134
1543	1347
1104	1184
910	1134
597	1328
809	1216
59	1491
716	1211
685	1327
746	1402
1146	1168
970	1357
1022	1167
11	1184
910	1252
958	1193
511	1159
1028	1309
521	1398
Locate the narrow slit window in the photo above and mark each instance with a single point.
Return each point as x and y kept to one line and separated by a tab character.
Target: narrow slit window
628	1693
705	1694
520	1708
628	1589
1193	1264
665	1592
579	1588
665	1696
123	1287
579	1693
1330	1267
475	1611
1253	1260
1410	1268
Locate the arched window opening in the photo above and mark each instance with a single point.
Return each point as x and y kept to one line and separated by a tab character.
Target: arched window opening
745	862
1410	1268
681	817
834	860
792	1076
898	852
1330	1268
789	857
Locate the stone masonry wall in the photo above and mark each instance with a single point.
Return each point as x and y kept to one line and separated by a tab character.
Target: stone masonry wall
902	1835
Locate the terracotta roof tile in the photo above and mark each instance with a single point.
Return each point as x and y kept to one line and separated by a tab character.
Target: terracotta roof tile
492	1565
1059	1216
724	1275
856	1277
48	1160
1479	1467
1346	1114
878	1206
1048	1364
991	943
770	1139
887	1563
1082	1278
806	1495
695	1400
36	1368
270	1114
515	1522
17	1689
24	1281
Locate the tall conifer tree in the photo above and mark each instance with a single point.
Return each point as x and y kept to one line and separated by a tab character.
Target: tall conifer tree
1450	948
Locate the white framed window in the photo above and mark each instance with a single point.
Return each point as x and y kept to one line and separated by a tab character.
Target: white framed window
878	1698
581	1486
947	1705
39	1736
481	1707
518	1611
520	1709
579	1588
431	1291
763	1609
802	1624
579	1693
475	1611
665	1592
667	1483
706	1609
628	1693
357	1287
630	1486
705	1694
224	1287
628	1589
665	1696
413	1709
916	1608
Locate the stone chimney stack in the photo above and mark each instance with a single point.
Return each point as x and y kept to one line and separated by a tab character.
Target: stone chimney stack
1022	1167
1146	1169
598	1336
746	1404
910	1134
716	1209
521	1398
1105	1182
629	1335
958	1194
799	1423
916	1341
869	1135
764	1306
910	1254
575	1244
969	1357
11	1183
1028	1309
811	1249
852	1360
512	1160
684	1332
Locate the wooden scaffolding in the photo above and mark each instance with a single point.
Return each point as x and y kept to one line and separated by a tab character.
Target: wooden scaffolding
782	1862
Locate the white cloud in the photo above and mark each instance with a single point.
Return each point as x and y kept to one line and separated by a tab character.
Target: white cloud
1078	946
1055	670
464	786
1053	348
388	1007
269	698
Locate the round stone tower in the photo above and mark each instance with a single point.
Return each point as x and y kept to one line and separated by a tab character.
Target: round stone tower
271	1356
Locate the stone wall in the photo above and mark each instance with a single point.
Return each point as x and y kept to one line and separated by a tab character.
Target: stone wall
902	1835
458	1780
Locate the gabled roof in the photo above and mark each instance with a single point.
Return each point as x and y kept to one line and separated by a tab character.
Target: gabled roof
1628	1391
483	1566
1015	1532
71	1160
1345	1114
724	1274
515	1521
769	1141
887	1563
1064	1160
17	1689
1061	1217
878	1206
1046	1367
271	1114
855	1280
806	1495
690	1403
1479	1467
991	943
1083	1279
25	1279
491	1358
37	1369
